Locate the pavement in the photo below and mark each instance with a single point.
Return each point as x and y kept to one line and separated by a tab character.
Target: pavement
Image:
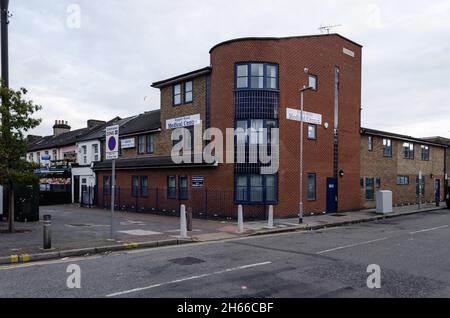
411	253
79	231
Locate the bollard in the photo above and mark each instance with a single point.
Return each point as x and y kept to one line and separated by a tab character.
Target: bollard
189	220
183	229
47	232
240	228
270	221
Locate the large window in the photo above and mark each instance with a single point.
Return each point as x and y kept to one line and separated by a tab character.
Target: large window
135	186
256	188
312	187
408	150
183	187
150	143
141	144
425	153
171	187
255	131
256	76
402	180
144	187
370	191
387	147
188	92
176	94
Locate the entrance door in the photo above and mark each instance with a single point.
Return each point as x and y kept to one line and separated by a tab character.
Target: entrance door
331	195
76	189
437	190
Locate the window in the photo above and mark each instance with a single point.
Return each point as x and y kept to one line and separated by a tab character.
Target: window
408	150
149	143
370	143
106	185
188	92
135	186
311	187
387	147
171	187
370	193
256	188
312	131
242	76
55	154
84	153
257	76
95	152
177	94
313	82
141	145
144	187
378	182
425	153
420	186
402	180
183	187
256	131
38	157
361	183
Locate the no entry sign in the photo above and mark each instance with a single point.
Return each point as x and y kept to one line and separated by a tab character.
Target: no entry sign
112	142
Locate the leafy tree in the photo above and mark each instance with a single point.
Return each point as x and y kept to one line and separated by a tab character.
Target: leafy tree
16	119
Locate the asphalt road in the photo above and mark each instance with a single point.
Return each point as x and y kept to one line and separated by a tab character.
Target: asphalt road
413	253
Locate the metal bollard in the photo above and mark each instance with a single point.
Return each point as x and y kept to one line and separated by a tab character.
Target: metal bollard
183	225
240	228
270	221
189	220
47	232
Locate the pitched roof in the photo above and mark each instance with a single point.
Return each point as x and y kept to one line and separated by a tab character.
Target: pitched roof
61	140
368	131
148	121
182	77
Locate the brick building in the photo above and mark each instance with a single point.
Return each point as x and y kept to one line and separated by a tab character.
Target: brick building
249	84
392	162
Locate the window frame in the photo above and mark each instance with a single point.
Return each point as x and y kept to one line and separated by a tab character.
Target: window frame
370	143
183	192
175	95
368	189
409	151
139	144
134	190
170	195
141	187
149	140
387	154
185	92
248	188
400	180
107	190
423	157
264	76
315	132
316	88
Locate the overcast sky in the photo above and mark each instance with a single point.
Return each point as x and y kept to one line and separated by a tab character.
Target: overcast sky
104	68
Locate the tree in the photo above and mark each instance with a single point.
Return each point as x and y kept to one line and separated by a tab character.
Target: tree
16	119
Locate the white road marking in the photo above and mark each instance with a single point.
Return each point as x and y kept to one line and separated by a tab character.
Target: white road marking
428	230
139	232
188	279
351	245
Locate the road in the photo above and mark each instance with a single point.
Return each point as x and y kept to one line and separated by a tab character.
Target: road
413	253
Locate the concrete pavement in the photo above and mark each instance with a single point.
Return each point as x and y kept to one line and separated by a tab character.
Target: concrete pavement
412	252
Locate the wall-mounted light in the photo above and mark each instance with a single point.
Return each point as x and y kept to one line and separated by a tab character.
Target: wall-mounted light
341	173
431	176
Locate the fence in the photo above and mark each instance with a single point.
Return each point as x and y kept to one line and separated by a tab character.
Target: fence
203	203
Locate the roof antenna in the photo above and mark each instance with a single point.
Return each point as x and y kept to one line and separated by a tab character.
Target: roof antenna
327	28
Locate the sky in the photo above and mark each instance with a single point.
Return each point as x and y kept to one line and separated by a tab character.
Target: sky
97	59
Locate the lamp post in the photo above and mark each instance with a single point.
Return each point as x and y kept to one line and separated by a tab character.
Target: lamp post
302	91
4	15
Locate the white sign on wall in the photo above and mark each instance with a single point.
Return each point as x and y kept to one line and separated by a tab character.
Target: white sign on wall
311	118
186	121
112	142
128	143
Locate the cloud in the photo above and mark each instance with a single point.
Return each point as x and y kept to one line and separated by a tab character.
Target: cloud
104	69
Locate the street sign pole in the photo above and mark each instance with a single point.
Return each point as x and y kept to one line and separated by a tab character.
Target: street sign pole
113	193
420	187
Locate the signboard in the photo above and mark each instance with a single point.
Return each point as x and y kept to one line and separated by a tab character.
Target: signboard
112	142
198	181
128	143
45	157
180	122
311	118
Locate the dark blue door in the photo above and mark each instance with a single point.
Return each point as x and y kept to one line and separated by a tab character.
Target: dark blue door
331	195
437	194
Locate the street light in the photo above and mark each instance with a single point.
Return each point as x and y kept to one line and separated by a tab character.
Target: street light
302	91
4	15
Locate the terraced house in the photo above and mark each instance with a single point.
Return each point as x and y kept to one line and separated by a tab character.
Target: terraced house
249	84
393	162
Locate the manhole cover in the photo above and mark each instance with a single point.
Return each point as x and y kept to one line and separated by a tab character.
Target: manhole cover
186	261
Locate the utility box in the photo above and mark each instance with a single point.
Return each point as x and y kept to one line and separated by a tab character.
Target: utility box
384	202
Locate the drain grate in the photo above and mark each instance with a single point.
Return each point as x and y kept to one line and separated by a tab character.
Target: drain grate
186	261
80	225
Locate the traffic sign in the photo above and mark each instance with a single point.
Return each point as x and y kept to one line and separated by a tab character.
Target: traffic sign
112	142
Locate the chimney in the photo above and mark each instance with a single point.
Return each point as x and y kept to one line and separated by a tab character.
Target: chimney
32	138
60	127
91	123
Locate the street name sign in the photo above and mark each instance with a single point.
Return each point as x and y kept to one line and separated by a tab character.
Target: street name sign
112	142
180	122
311	118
